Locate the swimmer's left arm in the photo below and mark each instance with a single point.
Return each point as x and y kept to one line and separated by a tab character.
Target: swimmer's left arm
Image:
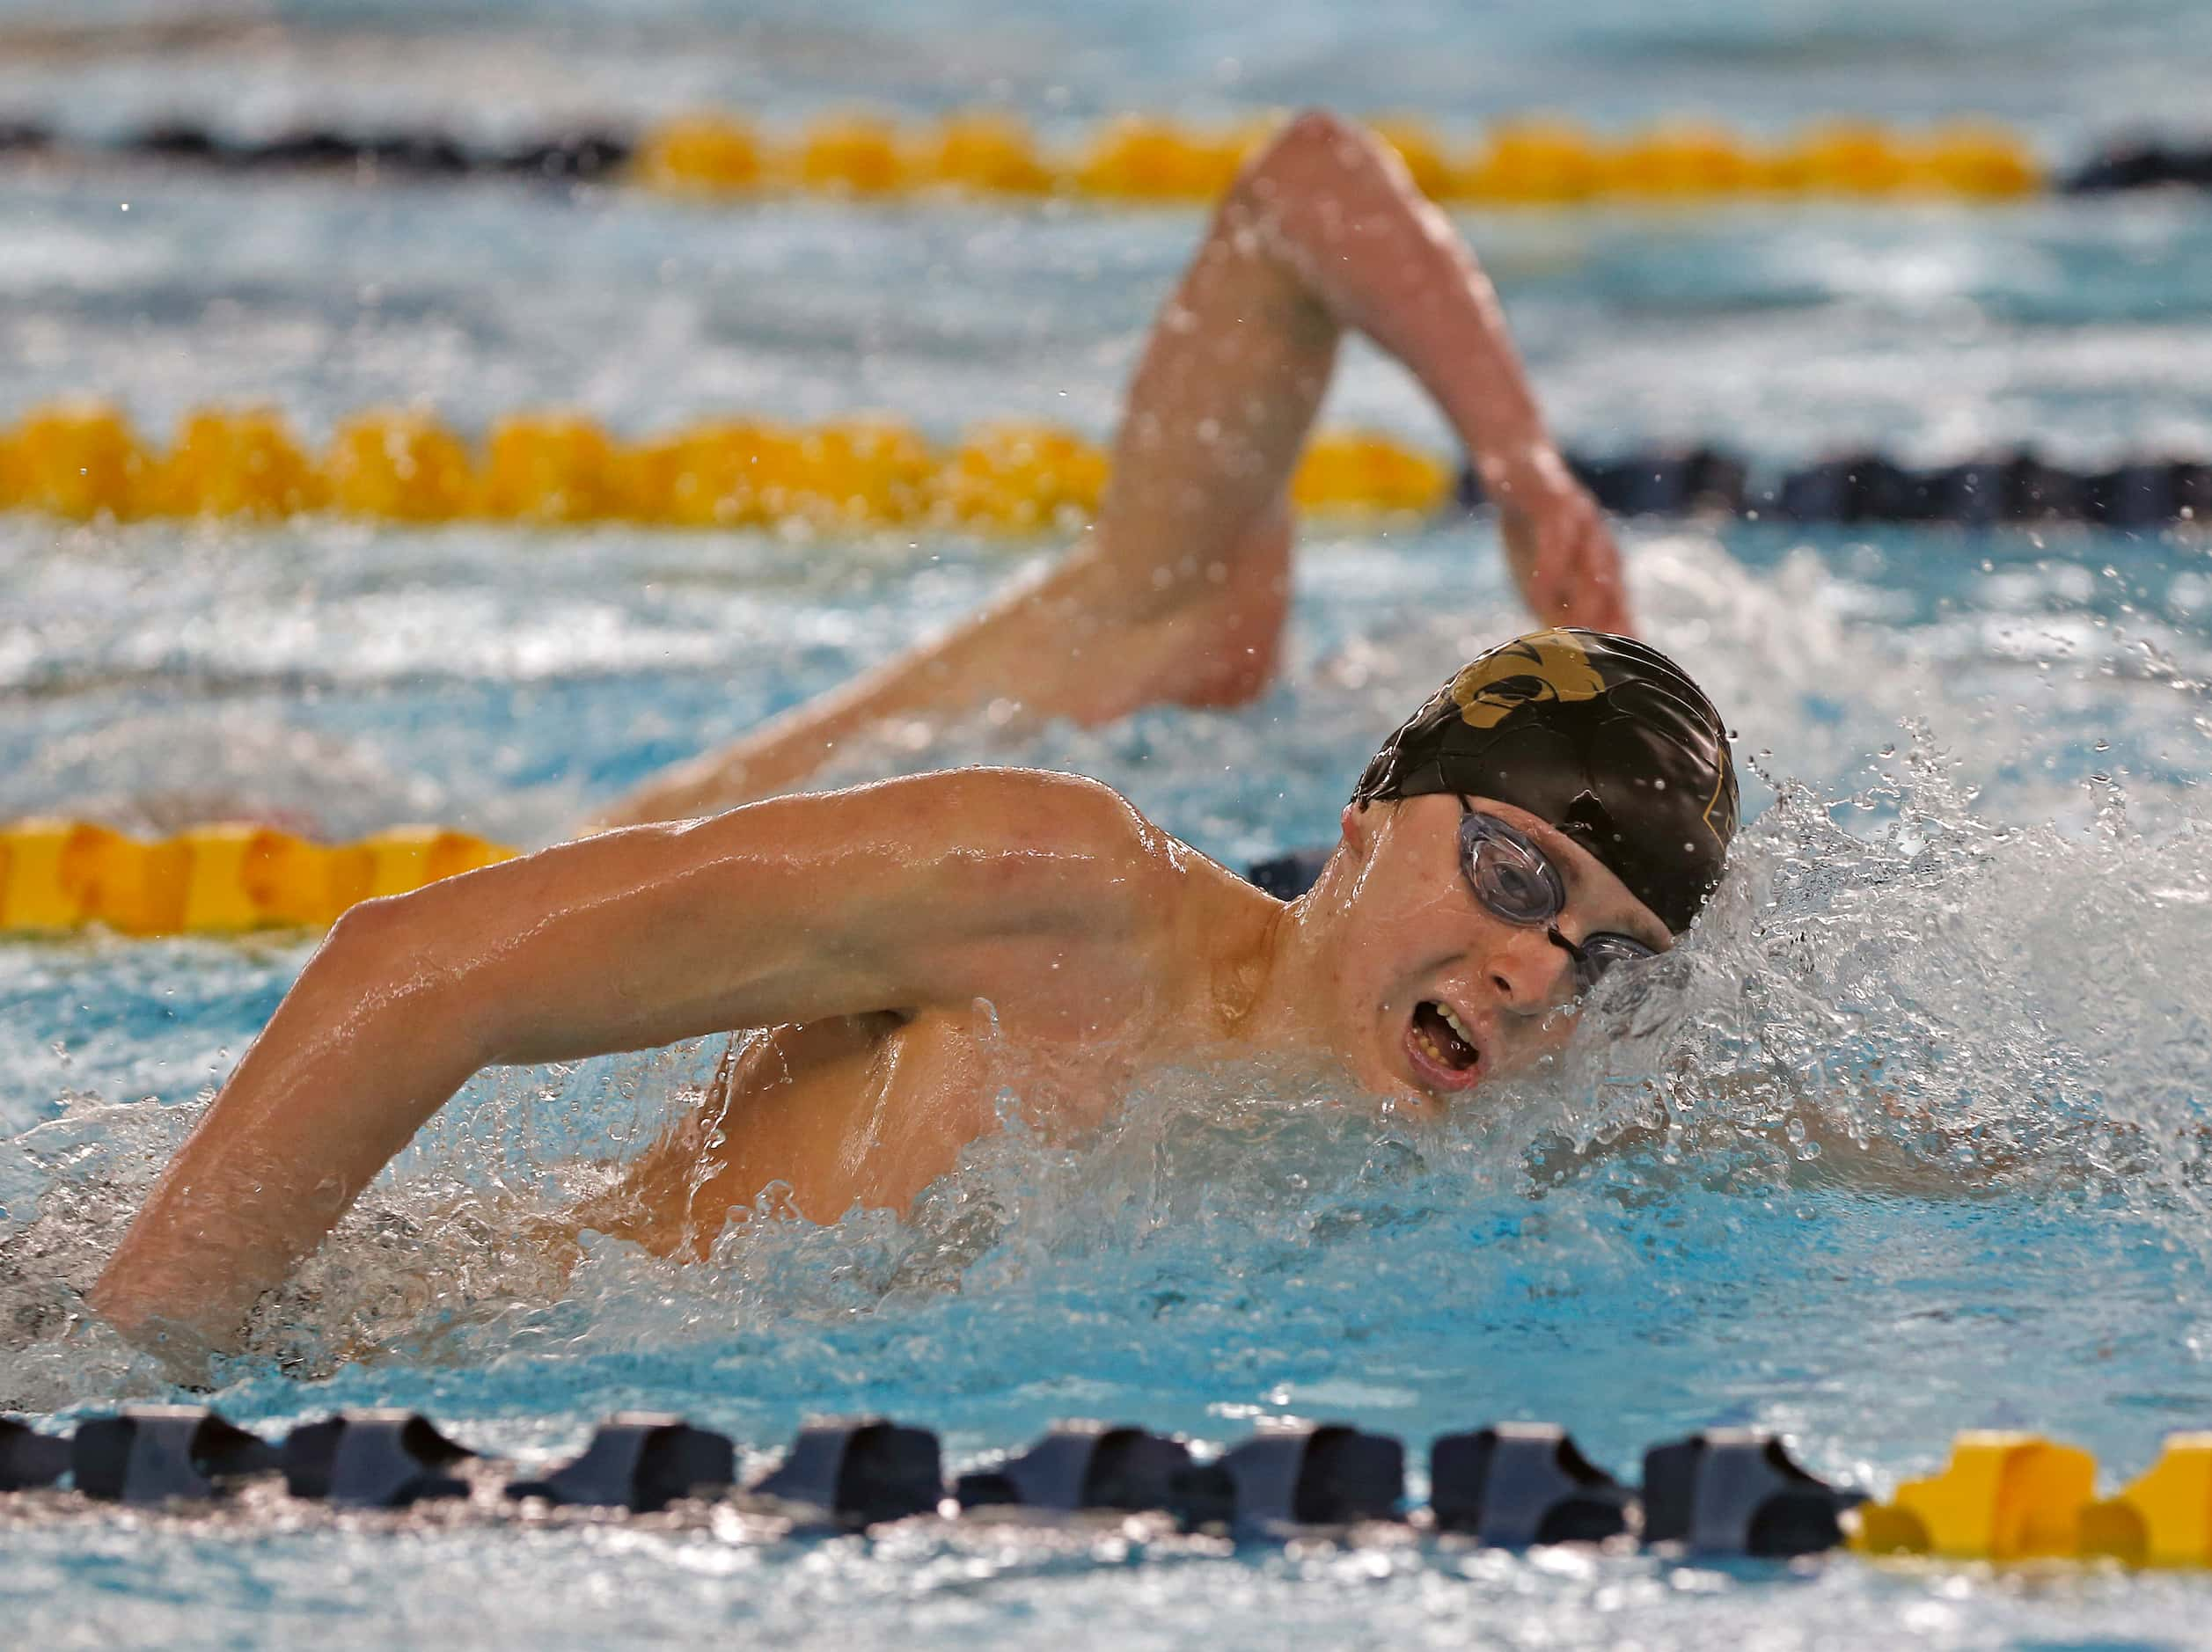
1178	593
1325	232
891	898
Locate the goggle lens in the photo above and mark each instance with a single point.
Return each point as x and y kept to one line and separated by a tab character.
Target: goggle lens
1516	881
1510	875
1599	952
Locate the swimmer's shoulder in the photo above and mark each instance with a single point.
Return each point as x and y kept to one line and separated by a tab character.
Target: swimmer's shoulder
1037	823
1068	853
1152	867
1083	829
1091	816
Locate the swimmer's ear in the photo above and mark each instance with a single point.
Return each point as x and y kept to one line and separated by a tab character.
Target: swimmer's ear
1358	828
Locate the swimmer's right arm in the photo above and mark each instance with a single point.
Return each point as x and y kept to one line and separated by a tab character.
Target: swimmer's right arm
942	888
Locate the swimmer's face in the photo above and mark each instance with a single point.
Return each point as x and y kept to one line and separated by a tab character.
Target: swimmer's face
1437	993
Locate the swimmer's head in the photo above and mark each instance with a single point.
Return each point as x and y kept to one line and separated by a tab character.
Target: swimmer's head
1602	738
1438	977
1564	800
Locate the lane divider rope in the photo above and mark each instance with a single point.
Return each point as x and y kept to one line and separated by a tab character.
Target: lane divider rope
83	460
1141	160
225	879
1134	159
2002	1496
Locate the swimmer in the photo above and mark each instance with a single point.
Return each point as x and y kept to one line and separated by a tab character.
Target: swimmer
1179	592
901	954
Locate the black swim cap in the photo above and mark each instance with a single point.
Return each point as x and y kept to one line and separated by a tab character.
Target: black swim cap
1600	736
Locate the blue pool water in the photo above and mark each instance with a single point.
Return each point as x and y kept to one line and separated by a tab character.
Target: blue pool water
1907	1139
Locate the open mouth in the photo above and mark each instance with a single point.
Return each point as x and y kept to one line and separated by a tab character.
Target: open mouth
1443	1050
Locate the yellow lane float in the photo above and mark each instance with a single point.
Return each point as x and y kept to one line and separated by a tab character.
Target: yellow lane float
1148	160
221	878
2002	1496
2165	1518
84	461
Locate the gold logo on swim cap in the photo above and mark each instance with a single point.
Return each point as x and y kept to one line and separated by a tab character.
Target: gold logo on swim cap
1544	665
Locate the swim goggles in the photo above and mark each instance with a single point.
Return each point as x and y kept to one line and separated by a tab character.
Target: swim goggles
1516	882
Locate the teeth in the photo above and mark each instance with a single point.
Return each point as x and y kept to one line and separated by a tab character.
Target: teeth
1434	1051
1453	1021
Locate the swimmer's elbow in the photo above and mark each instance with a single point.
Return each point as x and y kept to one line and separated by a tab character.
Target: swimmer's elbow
371	943
1313	146
1316	134
363	926
389	959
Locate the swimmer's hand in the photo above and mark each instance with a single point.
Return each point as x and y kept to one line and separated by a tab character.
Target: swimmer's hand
1557	544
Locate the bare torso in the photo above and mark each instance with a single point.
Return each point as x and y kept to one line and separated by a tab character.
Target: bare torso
814	1118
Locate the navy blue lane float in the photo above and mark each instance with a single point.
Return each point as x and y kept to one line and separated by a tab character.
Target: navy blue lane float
153	1454
1869	487
567	157
859	1471
642	1461
29	1459
2133	164
1518	1483
1084	1465
1323	1474
1735	1491
1509	1485
372	1459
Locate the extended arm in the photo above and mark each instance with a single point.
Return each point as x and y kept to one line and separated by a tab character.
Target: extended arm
1179	591
890	898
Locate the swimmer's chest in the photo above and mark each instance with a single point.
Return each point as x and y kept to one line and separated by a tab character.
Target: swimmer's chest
872	1110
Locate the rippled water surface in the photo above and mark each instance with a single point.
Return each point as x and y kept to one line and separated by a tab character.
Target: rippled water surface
1908	1138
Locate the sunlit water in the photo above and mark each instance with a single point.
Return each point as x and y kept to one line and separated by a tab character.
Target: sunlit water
1907	1139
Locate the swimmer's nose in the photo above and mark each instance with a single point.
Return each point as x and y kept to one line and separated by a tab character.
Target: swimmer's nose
1526	972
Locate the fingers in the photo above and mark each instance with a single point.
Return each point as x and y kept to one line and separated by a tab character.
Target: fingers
1548	578
1574	576
1565	561
1601	600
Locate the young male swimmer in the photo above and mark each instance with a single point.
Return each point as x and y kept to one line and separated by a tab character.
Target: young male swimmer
916	946
912	949
1180	591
